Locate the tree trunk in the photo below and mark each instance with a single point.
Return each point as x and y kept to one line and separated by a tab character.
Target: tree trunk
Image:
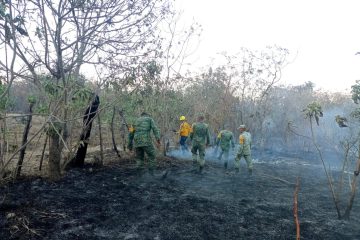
113	134
123	136
335	200
353	192
101	143
54	155
90	113
24	140
2	146
124	126
43	152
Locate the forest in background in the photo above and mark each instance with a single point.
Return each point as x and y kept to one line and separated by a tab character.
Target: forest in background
56	56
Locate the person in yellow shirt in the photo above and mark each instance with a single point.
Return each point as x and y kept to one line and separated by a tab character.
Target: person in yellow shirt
184	133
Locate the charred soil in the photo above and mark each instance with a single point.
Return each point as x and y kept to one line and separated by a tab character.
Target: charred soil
118	202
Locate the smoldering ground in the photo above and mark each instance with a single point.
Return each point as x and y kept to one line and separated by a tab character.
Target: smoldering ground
117	202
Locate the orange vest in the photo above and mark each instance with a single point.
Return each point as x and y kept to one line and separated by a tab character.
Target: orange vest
185	129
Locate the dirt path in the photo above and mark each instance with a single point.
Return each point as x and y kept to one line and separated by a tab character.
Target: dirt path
116	202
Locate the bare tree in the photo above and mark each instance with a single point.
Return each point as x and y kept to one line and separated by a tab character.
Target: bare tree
59	38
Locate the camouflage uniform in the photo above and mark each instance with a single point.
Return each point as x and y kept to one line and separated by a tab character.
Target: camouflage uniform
244	150
224	139
140	135
200	137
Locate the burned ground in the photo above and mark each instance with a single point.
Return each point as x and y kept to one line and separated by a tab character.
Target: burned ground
117	202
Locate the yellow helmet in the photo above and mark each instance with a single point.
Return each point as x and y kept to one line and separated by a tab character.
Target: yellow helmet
182	118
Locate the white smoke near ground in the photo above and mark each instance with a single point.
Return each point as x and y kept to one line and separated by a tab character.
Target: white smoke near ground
297	145
211	155
298	142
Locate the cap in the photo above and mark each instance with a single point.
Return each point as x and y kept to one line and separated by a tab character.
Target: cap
241	126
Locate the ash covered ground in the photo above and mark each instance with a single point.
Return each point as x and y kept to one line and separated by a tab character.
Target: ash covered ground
116	202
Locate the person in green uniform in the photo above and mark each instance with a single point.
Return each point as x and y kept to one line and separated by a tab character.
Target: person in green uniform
244	149
140	138
200	138
225	139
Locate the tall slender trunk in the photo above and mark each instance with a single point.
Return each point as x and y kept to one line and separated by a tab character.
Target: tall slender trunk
326	171
353	191
113	133
54	152
124	126
43	152
2	146
101	142
24	140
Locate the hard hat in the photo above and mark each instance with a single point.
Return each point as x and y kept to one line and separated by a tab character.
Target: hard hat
242	126
182	118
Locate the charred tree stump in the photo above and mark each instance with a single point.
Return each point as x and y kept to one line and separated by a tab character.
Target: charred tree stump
24	140
90	113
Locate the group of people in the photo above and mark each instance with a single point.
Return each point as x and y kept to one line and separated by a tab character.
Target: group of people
199	134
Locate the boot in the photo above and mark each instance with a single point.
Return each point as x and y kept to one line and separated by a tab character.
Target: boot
201	168
225	165
250	172
194	167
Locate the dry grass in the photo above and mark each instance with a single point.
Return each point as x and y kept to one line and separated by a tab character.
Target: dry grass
15	126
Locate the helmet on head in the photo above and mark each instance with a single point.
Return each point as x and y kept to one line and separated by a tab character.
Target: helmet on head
182	118
242	126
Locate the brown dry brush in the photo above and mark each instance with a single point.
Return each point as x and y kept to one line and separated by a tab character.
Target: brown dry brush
6	162
296	217
353	190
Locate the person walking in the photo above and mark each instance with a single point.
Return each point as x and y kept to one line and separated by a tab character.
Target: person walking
200	138
225	139
184	133
244	149
140	138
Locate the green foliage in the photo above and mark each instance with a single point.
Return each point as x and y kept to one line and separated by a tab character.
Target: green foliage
80	97
54	128
355	92
2	9
5	102
313	110
42	109
356	114
153	69
39	32
341	121
52	89
32	99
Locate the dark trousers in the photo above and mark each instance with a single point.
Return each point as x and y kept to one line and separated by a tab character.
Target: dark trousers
183	145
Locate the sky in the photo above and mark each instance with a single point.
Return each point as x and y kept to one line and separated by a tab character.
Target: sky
322	36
